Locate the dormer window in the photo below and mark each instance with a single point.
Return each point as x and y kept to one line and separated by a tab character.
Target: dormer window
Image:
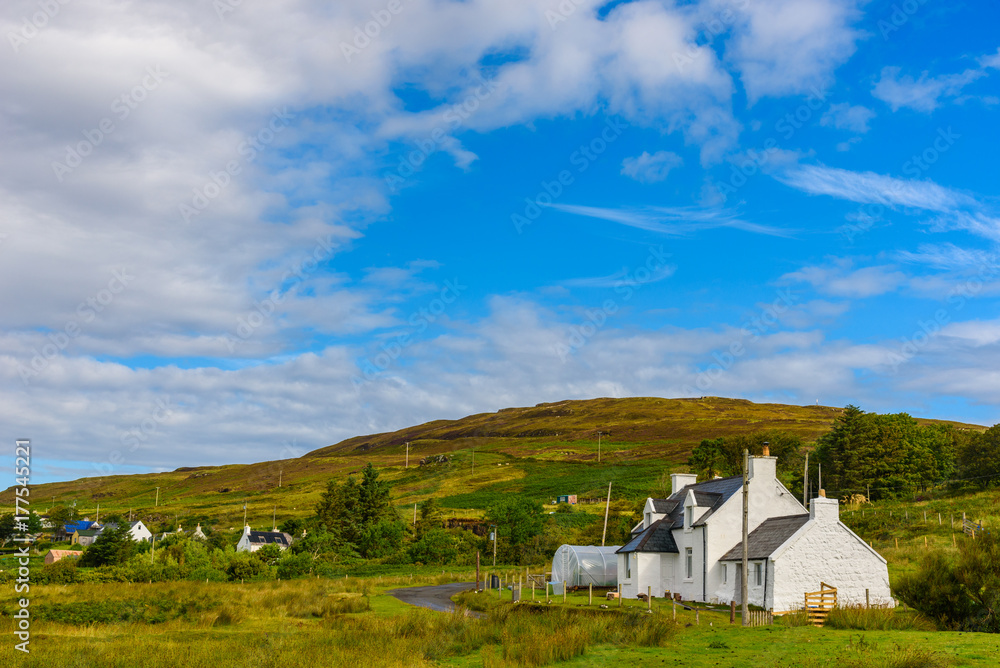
689	520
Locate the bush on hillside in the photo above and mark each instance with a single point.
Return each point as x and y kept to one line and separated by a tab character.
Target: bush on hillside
960	594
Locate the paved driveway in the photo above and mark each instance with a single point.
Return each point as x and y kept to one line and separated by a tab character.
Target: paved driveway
434	598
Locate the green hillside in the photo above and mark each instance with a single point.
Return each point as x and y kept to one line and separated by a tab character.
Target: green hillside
541	451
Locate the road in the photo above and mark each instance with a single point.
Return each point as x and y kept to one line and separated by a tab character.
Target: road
434	598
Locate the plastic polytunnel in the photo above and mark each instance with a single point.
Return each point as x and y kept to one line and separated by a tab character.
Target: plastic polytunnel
582	565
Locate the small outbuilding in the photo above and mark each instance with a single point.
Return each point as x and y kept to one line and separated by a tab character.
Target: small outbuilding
55	555
583	565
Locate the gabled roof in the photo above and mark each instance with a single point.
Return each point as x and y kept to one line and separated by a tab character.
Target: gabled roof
657	538
269	538
664	506
767	538
88	532
65	553
710	494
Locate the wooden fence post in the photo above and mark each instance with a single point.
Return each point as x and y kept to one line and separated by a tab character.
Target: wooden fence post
619	596
590	594
732	612
673	606
867	604
697	616
564	591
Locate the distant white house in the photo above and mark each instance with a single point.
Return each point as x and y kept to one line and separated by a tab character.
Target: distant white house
251	541
691	544
137	530
198	533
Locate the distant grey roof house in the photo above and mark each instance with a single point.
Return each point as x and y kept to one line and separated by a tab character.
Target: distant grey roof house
251	541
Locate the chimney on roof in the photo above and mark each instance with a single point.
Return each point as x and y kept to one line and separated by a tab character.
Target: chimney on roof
822	493
679	481
824	510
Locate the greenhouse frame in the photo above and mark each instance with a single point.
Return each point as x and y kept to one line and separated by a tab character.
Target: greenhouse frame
583	565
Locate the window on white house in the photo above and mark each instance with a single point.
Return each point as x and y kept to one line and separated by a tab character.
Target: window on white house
628	565
725	573
757	574
690	516
688	563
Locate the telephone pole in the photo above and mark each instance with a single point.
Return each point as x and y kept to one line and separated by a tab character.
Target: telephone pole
805	483
599	452
157	502
606	506
407	465
744	580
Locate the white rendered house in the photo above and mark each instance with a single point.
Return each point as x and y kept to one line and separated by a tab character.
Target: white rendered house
685	545
251	541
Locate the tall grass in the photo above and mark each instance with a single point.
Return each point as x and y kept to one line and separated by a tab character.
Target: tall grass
876	619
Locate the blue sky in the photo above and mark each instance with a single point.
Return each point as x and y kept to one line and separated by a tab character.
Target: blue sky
235	232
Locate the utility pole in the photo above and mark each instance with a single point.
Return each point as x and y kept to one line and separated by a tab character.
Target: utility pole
244	512
407	465
744	580
820	476
606	506
274	521
98	520
157	502
495	544
414	514
279	477
599	452
805	483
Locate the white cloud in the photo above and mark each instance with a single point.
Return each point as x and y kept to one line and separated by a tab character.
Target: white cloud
653	168
924	94
871	188
672	220
842	280
845	116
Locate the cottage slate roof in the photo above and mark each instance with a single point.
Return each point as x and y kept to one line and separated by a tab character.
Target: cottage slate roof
711	494
767	538
270	538
664	506
657	538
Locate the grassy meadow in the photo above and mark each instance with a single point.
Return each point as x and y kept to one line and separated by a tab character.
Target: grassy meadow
353	621
541	452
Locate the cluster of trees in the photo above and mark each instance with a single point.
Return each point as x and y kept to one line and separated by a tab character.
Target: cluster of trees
891	454
882	456
724	456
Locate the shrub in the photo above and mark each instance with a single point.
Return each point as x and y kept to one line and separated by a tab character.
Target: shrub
294	565
963	594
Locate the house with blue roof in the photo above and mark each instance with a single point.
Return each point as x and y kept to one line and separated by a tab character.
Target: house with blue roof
690	544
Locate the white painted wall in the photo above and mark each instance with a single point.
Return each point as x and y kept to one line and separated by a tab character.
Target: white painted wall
824	549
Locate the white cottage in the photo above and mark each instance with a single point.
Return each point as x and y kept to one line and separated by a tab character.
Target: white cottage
686	545
251	541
